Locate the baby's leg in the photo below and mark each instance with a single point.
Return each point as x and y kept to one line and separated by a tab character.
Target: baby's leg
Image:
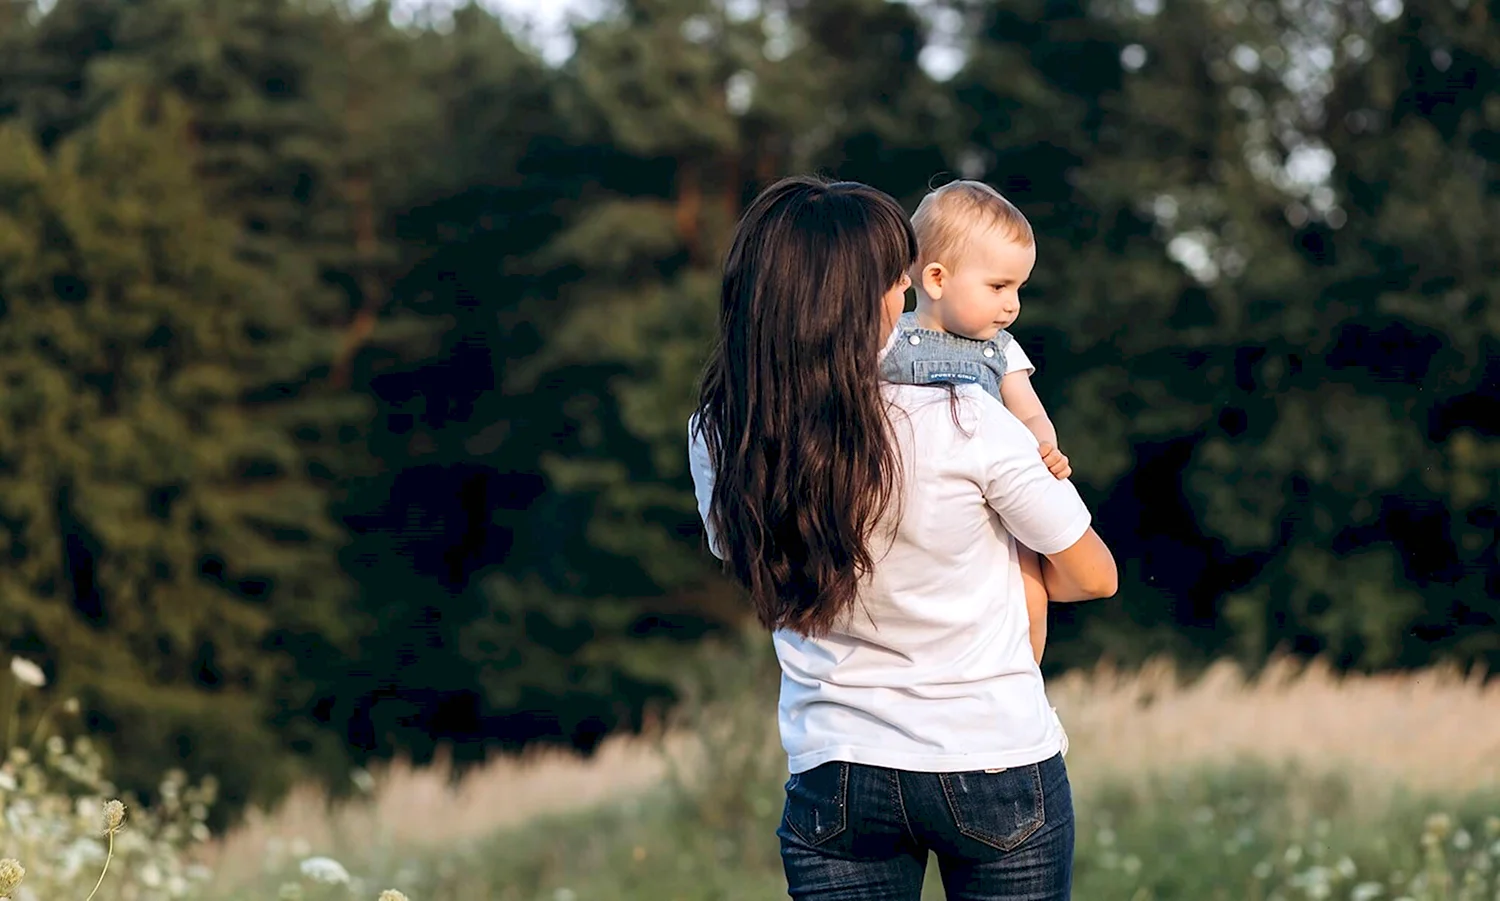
1036	598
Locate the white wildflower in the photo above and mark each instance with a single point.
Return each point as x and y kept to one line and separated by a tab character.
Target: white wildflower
1346	868
11	874
151	875
1366	891
1462	840
362	780
325	870
391	894
1439	824
27	672
7	781
114	816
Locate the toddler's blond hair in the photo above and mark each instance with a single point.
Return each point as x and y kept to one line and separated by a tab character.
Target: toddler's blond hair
949	216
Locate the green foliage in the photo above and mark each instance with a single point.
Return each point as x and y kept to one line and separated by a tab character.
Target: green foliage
171	550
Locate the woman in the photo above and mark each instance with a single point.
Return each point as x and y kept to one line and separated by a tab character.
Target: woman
874	527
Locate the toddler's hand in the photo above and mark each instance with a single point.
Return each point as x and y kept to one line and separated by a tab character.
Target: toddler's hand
1056	462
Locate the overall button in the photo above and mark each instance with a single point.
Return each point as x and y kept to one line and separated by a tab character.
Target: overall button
989	351
915	339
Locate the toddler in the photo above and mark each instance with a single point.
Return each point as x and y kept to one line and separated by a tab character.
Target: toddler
975	252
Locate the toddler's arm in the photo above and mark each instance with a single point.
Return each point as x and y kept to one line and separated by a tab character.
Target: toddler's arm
1020	398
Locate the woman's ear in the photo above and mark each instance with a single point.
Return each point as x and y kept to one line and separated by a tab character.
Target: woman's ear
934	277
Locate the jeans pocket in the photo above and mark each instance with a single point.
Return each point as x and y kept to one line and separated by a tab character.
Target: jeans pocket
1001	809
817	803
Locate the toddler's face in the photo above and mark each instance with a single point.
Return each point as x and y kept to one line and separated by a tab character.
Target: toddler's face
982	294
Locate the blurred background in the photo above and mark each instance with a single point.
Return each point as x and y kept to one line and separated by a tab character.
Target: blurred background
346	348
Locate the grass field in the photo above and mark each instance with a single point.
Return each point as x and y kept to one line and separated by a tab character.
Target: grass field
1299	785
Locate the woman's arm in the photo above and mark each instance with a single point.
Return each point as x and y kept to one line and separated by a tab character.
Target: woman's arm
1041	512
1084	572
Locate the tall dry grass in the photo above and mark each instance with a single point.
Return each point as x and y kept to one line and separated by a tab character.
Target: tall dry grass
414	808
1435	730
1431	730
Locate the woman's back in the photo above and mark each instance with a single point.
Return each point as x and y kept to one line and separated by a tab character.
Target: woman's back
932	668
873	528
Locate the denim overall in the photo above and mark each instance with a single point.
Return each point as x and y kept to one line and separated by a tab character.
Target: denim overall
922	356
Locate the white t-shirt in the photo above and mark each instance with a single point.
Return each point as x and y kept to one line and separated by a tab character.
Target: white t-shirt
1016	359
939	676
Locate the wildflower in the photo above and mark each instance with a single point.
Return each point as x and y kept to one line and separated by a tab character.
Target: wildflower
325	870
391	894
151	875
1439	825
1462	840
362	780
7	781
1346	868
71	706
27	672
114	816
1366	891
11	874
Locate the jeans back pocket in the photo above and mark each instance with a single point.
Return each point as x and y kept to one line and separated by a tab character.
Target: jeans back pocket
1001	809
817	803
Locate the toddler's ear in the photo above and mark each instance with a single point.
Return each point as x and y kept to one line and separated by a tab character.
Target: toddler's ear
934	278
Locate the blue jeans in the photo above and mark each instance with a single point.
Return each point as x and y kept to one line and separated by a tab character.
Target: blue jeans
861	833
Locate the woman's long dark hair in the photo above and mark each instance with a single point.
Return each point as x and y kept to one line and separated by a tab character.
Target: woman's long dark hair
790	406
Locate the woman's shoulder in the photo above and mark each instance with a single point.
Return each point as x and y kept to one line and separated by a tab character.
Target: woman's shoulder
963	417
963	412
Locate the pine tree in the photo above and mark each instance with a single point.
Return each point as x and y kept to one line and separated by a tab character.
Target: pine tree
172	553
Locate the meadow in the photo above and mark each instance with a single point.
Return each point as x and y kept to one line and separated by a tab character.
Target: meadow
1298	784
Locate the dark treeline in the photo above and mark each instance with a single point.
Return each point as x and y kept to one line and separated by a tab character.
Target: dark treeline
346	363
